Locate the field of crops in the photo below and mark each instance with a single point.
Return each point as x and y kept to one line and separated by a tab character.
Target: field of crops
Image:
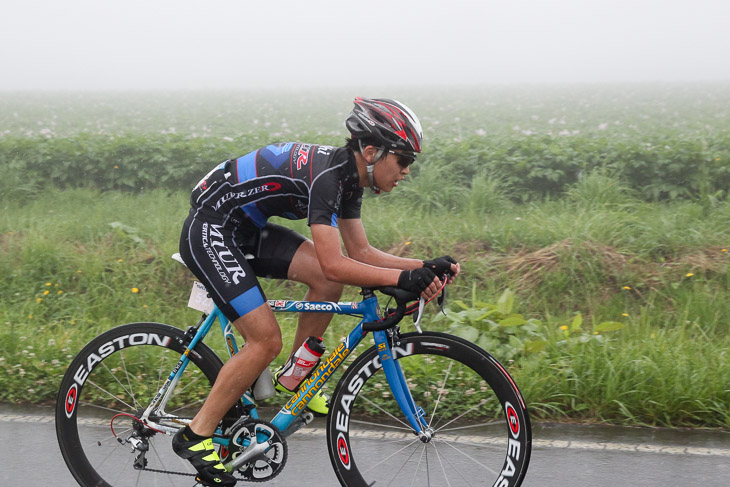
601	211
664	141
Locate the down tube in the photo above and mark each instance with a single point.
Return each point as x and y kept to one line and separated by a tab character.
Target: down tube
397	381
309	388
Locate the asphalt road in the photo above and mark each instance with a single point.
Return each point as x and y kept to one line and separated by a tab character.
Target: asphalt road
563	456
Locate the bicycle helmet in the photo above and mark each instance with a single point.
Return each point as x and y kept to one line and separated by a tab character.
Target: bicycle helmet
388	121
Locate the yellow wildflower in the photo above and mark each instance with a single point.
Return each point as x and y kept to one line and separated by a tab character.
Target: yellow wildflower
135	290
689	274
46	293
627	288
564	327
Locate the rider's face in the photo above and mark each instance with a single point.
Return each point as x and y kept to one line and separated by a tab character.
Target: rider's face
389	171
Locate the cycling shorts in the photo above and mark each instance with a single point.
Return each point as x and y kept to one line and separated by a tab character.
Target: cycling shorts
227	260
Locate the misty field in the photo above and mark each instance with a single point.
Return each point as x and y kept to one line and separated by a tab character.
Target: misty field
601	210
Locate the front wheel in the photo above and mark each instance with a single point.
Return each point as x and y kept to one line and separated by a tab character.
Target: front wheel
109	384
481	429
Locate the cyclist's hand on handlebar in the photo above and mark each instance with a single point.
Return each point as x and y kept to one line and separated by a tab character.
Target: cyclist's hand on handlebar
420	281
445	265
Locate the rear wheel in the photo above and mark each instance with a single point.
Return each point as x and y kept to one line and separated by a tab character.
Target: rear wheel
481	429
109	384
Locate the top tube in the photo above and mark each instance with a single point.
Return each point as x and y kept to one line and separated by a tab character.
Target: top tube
359	308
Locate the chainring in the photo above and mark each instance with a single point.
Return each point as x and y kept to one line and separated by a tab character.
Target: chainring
266	465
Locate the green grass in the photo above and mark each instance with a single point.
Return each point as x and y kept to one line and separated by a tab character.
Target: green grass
78	262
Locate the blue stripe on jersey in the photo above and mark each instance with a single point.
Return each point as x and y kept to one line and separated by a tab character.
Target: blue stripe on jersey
246	167
248	301
276	155
252	211
334	220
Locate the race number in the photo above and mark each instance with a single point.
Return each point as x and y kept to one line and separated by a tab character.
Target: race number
199	299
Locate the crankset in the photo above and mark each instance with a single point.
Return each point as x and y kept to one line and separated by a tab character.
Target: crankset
257	450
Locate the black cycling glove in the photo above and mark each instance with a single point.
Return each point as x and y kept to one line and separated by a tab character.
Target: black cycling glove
440	266
416	280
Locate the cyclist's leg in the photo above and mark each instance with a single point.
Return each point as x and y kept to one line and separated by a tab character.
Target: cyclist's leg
262	345
305	268
281	253
213	254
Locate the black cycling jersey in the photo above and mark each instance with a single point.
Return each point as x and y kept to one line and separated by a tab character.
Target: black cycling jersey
227	240
289	180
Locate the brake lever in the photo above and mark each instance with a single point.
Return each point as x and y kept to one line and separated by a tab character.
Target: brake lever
417	318
441	300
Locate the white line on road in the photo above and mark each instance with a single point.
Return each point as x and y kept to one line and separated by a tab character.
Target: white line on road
391	435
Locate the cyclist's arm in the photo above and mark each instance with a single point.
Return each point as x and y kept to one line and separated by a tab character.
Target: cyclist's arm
339	268
358	247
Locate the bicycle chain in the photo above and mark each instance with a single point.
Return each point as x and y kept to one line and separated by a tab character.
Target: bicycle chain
184	474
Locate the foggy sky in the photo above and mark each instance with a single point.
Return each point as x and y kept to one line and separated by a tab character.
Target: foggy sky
213	44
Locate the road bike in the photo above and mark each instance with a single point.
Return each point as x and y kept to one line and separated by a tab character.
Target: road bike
420	408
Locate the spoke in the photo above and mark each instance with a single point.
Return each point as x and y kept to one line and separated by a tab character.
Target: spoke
405	462
420	459
478	425
386	412
441	391
130	407
453	467
481	403
126	375
379	425
153	449
124	388
178	393
188	405
394	454
447	443
103	408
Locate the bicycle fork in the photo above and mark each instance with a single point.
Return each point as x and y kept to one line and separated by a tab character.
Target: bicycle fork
388	355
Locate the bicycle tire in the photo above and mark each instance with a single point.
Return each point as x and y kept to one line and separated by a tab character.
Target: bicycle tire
482	428
119	372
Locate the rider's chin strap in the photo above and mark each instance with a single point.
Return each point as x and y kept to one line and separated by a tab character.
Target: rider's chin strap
371	165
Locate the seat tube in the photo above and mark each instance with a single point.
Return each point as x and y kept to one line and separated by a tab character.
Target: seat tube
397	381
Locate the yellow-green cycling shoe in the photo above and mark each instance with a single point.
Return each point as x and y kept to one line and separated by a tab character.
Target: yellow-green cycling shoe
319	404
200	452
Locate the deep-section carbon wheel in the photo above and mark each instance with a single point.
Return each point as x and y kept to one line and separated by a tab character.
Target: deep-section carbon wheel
481	430
108	385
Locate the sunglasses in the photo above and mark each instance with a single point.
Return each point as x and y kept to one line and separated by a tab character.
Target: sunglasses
404	159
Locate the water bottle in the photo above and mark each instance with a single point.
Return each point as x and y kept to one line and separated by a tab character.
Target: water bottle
263	386
301	363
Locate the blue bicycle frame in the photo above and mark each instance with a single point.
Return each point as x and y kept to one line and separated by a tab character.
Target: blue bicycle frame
368	309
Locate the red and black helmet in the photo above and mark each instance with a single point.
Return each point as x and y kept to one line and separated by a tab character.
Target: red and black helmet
388	121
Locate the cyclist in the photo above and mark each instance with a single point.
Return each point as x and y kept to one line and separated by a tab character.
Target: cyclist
227	241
